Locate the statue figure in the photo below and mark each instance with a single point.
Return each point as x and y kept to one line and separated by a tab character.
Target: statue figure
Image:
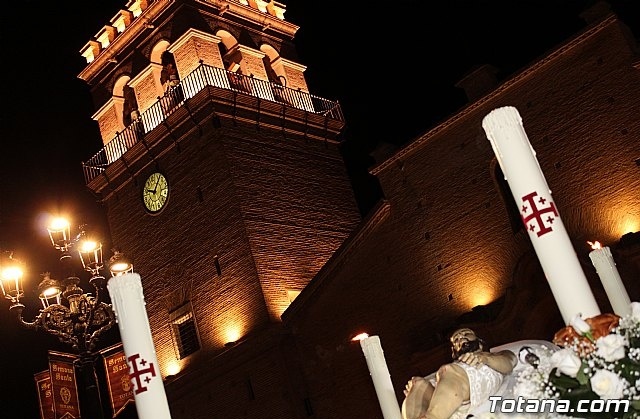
467	382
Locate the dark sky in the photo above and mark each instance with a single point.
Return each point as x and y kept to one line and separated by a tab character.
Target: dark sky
392	65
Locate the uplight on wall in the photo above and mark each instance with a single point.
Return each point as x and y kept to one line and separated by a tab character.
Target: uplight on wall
628	224
231	333
481	296
173	367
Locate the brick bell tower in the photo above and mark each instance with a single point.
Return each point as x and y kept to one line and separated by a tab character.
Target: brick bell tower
222	178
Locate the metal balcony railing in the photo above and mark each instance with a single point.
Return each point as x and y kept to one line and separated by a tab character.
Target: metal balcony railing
203	76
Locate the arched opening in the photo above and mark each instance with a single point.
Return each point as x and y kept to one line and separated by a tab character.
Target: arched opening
170	81
232	60
166	77
273	66
275	73
130	110
231	55
156	64
169	76
127	114
125	102
123	115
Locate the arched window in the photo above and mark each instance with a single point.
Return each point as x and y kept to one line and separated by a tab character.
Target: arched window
156	63
169	74
273	66
232	60
277	76
120	102
170	80
231	55
166	76
126	109
130	111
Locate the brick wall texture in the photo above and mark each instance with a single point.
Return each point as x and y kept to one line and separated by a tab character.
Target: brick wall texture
277	213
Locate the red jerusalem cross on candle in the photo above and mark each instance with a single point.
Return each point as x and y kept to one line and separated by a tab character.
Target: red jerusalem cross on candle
522	171
136	374
537	213
129	305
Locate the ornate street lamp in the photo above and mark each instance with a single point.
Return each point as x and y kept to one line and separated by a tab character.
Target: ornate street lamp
73	316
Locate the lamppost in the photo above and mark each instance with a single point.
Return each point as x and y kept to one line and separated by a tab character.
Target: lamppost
75	317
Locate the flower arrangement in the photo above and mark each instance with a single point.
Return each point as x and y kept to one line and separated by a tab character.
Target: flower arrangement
598	362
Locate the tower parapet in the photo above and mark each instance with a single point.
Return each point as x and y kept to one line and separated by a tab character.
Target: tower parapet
134	10
156	55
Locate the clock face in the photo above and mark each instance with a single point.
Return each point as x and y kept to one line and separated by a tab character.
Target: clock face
155	192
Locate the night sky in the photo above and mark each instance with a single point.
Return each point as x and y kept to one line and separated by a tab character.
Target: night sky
392	65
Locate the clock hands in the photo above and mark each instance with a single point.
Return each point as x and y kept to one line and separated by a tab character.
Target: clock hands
155	188
155	193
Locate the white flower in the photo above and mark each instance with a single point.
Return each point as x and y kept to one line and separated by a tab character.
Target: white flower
528	388
611	347
635	311
607	385
580	325
566	361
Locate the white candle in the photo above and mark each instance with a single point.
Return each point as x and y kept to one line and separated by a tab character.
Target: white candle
128	303
529	187
380	375
606	268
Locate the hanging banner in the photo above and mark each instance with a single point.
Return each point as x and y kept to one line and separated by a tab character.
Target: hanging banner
45	395
63	385
118	381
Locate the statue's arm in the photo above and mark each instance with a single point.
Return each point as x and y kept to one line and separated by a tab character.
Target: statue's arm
503	361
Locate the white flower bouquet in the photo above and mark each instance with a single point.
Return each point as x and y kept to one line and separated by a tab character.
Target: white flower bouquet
596	374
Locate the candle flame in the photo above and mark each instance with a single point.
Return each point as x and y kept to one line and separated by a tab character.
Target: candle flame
361	336
595	245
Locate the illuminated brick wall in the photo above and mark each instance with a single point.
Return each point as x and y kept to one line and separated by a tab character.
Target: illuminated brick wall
271	209
445	243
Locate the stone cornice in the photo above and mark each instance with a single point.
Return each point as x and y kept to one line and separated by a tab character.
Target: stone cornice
137	26
249	13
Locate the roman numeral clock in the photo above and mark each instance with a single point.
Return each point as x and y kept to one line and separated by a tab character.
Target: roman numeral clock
155	192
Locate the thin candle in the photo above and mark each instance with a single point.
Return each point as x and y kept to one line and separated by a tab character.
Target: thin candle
605	265
380	375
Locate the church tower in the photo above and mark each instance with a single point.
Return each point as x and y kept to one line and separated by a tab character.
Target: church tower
222	178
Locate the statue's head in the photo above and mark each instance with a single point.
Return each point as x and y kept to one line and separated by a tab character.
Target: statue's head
465	340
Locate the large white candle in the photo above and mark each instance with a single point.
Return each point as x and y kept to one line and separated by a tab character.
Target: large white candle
529	187
602	260
129	305
380	375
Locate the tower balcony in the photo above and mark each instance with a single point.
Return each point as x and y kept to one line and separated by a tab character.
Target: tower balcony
231	95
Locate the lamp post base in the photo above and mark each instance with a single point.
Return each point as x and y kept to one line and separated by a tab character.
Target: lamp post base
90	402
